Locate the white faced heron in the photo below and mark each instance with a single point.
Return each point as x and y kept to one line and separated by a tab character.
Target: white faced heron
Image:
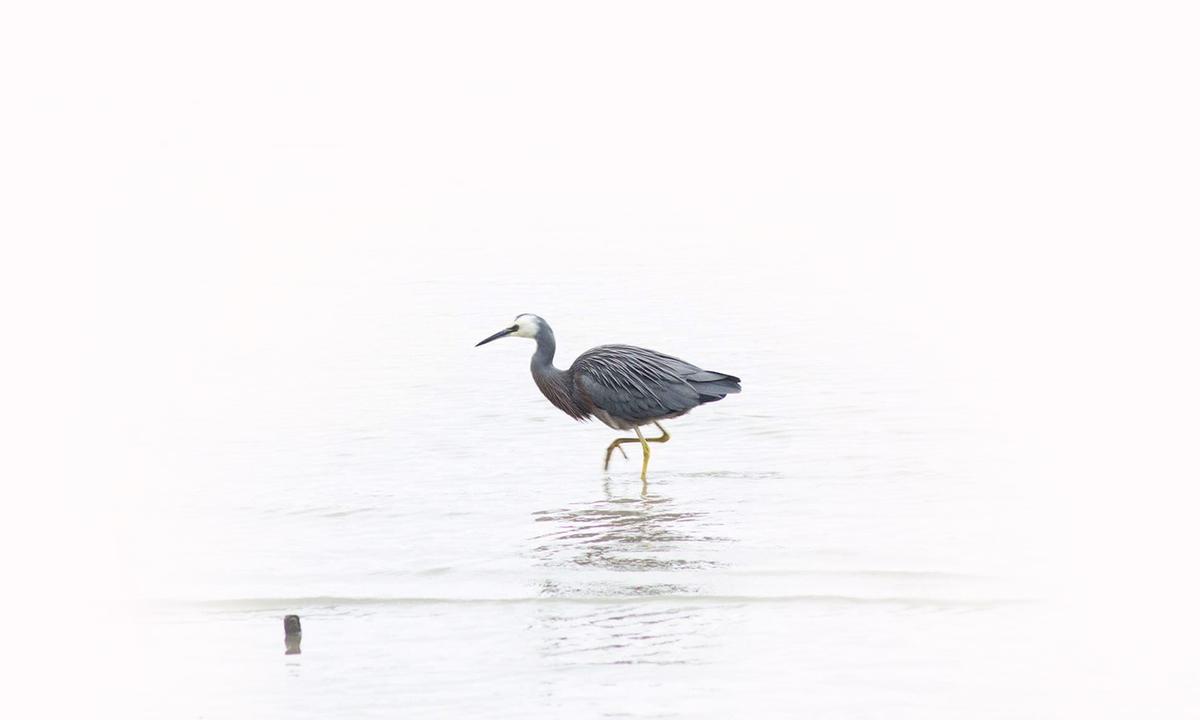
625	386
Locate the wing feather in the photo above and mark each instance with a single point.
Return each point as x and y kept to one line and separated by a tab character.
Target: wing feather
637	384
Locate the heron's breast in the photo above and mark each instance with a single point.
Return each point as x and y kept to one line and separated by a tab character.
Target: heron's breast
560	396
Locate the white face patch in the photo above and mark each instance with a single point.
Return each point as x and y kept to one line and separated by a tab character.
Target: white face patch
527	326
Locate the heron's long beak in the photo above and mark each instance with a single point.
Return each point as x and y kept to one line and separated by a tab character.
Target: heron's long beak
497	336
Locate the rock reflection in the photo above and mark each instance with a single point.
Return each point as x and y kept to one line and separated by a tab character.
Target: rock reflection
619	560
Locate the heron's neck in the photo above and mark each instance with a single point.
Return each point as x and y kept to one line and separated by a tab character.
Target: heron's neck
555	384
543	357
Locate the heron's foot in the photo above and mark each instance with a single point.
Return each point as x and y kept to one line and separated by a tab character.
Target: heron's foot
616	445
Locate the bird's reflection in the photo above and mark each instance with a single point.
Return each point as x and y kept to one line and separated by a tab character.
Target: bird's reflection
619	561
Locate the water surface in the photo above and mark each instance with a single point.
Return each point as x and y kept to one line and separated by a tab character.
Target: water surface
823	543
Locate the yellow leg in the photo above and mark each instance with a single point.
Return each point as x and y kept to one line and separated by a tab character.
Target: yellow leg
645	452
616	445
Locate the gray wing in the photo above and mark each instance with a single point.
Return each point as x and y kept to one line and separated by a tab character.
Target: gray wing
637	384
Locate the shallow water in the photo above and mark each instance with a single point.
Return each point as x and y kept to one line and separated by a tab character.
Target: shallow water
248	253
830	541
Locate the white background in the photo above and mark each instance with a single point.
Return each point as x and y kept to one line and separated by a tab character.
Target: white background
1011	185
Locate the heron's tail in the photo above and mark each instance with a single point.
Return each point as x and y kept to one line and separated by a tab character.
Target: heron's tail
713	386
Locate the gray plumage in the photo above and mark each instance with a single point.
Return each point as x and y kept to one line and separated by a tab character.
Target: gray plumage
622	385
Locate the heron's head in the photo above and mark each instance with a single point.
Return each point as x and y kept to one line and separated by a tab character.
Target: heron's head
524	325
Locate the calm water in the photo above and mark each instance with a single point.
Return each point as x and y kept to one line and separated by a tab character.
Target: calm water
248	251
827	542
